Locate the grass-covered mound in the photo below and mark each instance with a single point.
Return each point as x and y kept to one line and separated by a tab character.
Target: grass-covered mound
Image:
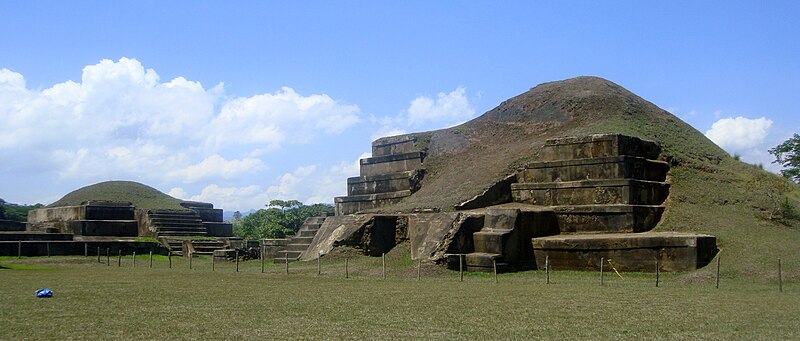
711	191
140	195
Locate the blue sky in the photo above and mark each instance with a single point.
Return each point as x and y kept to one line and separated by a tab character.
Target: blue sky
238	103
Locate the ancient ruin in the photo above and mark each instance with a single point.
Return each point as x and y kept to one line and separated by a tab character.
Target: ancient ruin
72	229
567	175
576	201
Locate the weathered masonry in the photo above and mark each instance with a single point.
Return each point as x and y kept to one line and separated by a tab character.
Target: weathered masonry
588	198
392	173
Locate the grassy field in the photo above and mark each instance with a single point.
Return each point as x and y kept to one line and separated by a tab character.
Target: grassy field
98	301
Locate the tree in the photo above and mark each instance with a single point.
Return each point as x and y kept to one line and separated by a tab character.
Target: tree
237	215
787	154
280	219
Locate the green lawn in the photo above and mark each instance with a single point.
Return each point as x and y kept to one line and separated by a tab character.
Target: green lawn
96	301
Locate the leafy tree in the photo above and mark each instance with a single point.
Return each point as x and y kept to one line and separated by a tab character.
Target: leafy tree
237	215
280	219
2	210
788	155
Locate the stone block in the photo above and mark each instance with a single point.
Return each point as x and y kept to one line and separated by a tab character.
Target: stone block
591	192
491	241
108	210
10	225
612	167
374	184
64	213
196	204
335	231
209	214
482	261
117	228
272	246
607	218
426	232
90	210
218	229
393	145
31	236
599	145
627	251
389	164
355	203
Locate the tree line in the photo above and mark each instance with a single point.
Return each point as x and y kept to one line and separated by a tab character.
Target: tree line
9	211
280	218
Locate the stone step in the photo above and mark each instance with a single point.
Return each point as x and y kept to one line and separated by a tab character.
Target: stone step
612	167
490	241
180	233
484	262
193	220
389	164
393	182
607	218
314	220
297	247
282	255
596	146
591	192
308	233
354	203
180	228
478	262
301	240
677	251
172	214
393	145
176	223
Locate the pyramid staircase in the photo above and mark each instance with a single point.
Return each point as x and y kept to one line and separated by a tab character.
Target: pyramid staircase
170	223
300	241
494	243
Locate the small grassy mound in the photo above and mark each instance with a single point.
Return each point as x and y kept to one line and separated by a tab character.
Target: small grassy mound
140	195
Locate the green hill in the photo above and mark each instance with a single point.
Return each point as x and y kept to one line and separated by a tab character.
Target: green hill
142	196
711	192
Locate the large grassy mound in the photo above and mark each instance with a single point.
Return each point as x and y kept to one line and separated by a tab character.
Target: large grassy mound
711	192
142	196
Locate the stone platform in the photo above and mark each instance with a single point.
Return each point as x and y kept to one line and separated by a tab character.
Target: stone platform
627	251
392	173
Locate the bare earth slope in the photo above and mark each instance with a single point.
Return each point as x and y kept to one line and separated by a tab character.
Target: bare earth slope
711	192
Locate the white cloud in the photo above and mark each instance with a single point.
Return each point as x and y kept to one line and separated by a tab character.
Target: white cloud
426	113
177	192
216	166
271	120
735	134
450	109
121	121
387	131
229	198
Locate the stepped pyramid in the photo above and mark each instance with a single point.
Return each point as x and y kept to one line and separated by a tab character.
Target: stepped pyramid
508	189
391	174
603	192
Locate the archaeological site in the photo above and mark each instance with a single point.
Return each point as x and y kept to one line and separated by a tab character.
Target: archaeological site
565	175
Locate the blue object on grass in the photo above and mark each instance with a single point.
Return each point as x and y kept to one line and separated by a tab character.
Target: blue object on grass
46	292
